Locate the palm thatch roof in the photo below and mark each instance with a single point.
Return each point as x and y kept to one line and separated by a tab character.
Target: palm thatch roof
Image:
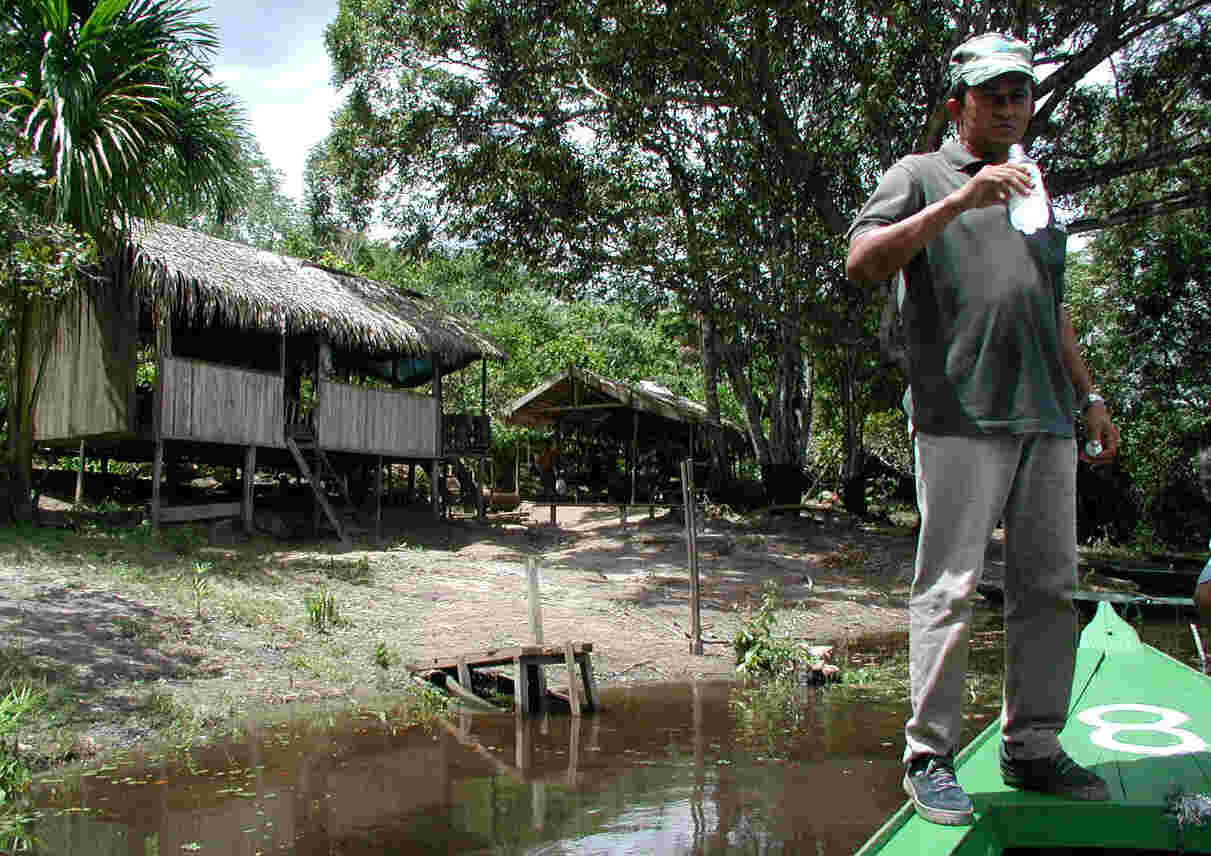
209	279
581	396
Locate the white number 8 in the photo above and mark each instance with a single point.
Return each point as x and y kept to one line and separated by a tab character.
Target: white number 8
1104	731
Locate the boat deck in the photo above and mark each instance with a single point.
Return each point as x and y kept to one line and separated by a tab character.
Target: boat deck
1139	718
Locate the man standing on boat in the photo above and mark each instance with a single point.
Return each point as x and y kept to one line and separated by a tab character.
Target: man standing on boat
994	381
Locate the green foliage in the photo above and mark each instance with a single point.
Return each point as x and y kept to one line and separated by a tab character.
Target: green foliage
712	159
1140	307
113	100
322	612
758	652
200	583
18	703
384	656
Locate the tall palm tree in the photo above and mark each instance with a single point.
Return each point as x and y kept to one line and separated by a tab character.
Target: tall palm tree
112	99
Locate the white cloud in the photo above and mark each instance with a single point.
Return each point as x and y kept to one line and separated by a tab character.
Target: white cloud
272	58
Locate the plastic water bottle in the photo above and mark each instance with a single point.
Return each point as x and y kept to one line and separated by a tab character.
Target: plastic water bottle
1028	212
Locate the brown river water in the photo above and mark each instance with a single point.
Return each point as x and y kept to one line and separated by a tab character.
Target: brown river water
674	768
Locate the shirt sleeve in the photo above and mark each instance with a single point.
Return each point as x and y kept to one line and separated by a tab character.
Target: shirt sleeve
898	196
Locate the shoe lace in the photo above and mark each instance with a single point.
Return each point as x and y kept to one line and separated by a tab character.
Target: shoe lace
1063	763
941	772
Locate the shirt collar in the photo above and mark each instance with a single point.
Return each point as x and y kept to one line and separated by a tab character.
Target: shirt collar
960	158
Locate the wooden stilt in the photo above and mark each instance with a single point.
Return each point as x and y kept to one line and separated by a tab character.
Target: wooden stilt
249	485
573	677
157	473
434	494
378	501
592	702
80	475
573	750
521	686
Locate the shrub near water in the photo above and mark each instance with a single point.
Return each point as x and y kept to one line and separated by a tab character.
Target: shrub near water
14	774
758	651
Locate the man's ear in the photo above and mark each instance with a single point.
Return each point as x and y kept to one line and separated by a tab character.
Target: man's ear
954	107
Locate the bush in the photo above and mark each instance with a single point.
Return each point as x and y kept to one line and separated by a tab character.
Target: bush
758	652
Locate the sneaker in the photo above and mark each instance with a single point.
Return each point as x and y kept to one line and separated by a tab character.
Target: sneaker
930	783
1058	775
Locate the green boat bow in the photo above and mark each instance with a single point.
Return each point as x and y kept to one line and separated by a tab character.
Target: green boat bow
1139	718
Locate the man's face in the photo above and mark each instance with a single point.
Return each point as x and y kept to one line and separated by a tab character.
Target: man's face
994	115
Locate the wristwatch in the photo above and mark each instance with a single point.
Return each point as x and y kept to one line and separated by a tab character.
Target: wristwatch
1090	400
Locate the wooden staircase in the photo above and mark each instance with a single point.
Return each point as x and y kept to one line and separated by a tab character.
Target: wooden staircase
299	443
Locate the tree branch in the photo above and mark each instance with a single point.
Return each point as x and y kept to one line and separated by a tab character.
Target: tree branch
1171	204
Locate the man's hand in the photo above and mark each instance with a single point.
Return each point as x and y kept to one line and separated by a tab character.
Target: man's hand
1103	430
994	184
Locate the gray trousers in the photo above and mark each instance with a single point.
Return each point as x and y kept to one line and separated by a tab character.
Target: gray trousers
964	486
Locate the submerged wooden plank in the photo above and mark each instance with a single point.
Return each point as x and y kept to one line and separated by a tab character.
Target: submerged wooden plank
502	656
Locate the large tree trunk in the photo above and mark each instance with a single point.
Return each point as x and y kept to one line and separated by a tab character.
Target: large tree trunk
781	454
853	473
24	374
710	370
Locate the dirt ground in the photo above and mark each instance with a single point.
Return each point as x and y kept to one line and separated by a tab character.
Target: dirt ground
132	650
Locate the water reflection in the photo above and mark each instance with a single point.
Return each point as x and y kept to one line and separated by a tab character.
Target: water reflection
660	769
664	768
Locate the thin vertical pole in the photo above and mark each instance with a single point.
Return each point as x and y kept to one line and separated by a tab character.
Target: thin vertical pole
80	476
634	452
249	485
439	432
378	503
691	545
535	604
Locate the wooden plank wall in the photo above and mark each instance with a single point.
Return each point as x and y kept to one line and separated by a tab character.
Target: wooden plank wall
88	385
221	404
377	421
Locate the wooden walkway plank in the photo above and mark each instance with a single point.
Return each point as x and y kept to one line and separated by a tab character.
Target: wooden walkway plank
527	663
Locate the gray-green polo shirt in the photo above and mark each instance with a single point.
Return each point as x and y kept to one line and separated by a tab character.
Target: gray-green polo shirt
981	311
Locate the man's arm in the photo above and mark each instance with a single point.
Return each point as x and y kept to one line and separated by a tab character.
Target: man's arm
876	255
1097	416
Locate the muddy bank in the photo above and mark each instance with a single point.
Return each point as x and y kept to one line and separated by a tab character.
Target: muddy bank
140	637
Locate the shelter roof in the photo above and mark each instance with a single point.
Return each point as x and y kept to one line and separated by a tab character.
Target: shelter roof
577	393
210	279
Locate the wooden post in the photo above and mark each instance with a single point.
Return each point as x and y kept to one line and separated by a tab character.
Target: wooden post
439	430
480	510
569	656
573	750
536	624
535	604
323	370
434	493
634	453
411	480
691	545
249	485
378	503
163	322
80	476
157	474
521	689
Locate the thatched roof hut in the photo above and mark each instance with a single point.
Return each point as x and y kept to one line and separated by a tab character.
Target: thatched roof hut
580	399
214	282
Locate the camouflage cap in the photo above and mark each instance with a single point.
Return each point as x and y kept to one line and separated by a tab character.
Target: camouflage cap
980	59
